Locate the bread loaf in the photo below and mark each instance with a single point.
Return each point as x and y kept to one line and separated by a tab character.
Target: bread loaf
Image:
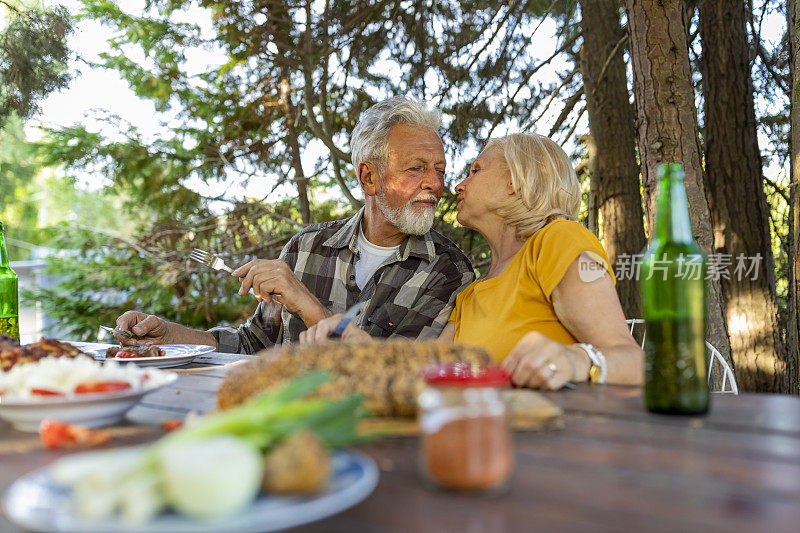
386	373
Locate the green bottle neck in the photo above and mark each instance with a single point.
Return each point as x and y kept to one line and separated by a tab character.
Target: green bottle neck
3	253
672	223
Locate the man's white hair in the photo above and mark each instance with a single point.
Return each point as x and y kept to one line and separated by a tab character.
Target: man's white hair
369	141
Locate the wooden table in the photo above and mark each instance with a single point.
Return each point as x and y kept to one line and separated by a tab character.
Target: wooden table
613	467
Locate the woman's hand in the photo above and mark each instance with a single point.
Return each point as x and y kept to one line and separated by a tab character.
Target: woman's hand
320	331
538	362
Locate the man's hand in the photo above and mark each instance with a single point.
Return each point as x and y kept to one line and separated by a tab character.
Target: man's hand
272	279
149	328
320	331
538	362
155	330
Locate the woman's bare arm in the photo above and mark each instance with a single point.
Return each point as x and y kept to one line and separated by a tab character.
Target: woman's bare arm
591	311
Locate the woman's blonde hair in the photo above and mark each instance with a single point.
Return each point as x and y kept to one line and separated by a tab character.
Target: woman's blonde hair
545	184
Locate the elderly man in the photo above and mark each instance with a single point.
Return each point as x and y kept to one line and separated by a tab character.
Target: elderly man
386	255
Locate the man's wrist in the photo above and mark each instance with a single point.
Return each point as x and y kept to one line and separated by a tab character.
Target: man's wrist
179	334
316	312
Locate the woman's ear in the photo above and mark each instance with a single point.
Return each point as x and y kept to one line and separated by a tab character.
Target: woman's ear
368	178
510	186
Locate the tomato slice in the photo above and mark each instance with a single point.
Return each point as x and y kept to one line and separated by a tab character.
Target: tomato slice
171	424
102	386
57	434
126	355
46	392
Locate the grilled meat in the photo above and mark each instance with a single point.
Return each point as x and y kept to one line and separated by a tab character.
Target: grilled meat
12	353
147	350
386	373
7	343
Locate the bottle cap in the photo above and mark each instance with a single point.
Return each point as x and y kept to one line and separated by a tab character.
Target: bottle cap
463	374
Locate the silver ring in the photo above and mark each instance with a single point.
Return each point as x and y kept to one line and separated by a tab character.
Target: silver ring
552	366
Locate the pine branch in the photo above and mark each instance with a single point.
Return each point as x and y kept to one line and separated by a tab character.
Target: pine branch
337	172
11	8
527	78
568	107
550	100
507	74
117	237
476	55
760	51
608	62
308	101
575	124
778	189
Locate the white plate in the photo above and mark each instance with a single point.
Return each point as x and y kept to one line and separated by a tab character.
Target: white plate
91	410
175	354
35	502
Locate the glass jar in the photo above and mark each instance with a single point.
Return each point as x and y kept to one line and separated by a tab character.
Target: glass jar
466	440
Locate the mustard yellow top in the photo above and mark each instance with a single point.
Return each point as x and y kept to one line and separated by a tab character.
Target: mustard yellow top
497	312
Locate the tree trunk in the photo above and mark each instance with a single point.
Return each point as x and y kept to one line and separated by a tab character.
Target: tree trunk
294	146
739	208
278	12
793	324
613	169
667	130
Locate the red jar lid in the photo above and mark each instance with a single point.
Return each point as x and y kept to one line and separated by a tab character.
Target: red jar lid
463	374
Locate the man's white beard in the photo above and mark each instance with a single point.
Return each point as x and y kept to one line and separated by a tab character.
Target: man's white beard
408	218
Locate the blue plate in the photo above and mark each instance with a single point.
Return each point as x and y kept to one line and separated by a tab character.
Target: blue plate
35	502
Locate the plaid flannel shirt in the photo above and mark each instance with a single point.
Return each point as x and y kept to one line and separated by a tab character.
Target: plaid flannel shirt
410	295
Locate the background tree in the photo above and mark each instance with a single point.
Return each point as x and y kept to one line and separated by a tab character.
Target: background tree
739	209
793	324
296	77
613	169
33	55
667	128
18	173
287	81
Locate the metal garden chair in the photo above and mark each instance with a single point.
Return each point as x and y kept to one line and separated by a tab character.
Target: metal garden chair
728	379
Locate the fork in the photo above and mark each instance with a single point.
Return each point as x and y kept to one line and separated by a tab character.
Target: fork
209	259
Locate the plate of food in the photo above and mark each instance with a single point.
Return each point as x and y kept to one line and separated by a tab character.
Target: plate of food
155	355
13	353
76	390
271	463
37	502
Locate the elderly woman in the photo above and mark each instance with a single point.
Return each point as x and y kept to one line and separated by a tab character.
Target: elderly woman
547	309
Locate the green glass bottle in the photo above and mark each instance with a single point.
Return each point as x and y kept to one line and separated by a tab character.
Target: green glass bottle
673	284
9	296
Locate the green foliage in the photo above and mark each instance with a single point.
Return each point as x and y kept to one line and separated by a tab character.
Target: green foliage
291	75
32	200
772	82
33	55
103	273
18	171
